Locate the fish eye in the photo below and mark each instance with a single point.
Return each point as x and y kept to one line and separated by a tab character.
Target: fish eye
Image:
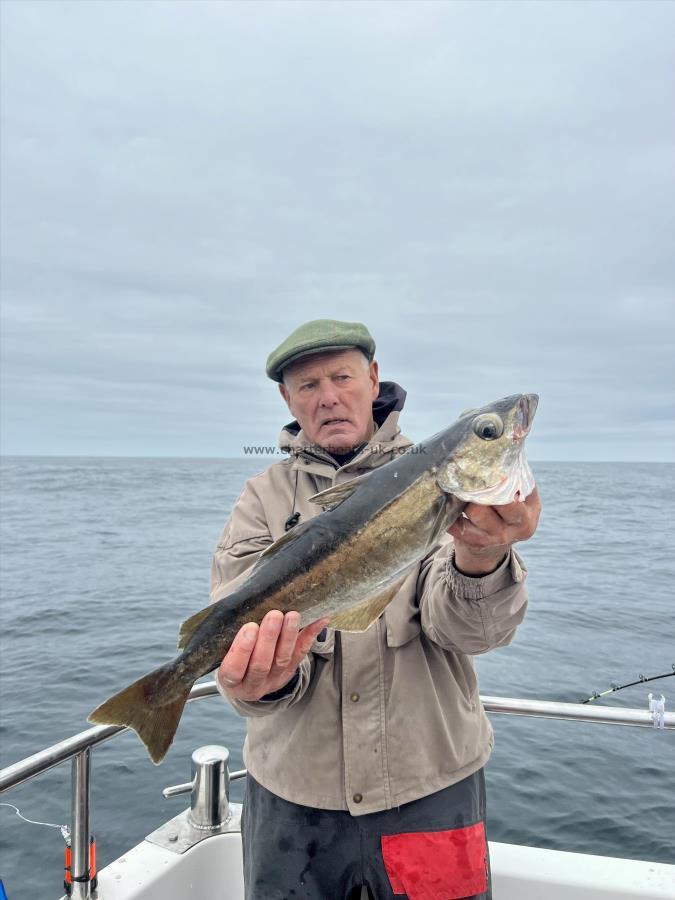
488	427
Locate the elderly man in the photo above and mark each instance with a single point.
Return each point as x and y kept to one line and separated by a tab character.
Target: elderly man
365	752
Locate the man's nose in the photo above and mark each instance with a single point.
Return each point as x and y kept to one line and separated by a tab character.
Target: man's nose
328	395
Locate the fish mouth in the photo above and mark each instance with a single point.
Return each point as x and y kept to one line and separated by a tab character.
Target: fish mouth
525	410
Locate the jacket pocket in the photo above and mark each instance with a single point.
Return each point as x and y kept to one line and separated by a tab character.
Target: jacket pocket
437	865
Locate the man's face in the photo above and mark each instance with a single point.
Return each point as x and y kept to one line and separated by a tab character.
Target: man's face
331	396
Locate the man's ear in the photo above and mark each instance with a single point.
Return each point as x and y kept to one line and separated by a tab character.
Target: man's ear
283	390
374	379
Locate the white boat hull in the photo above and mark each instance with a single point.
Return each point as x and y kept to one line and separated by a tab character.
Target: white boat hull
212	870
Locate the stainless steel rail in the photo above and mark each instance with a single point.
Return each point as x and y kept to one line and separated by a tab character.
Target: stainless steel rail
576	712
80	872
27	768
78	748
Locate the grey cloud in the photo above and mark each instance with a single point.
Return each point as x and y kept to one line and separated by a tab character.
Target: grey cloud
489	186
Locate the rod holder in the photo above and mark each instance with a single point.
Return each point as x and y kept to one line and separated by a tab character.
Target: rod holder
80	834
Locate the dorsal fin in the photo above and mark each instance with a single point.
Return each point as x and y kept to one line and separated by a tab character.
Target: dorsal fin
334	496
189	626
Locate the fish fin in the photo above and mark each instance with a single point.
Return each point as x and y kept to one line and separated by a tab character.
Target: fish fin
189	626
152	706
448	513
362	615
334	496
291	535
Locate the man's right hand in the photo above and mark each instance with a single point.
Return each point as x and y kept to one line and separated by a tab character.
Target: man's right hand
262	659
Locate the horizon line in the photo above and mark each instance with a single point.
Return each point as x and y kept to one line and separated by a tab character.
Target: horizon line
262	457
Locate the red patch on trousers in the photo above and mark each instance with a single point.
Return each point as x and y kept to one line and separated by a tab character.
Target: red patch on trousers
437	865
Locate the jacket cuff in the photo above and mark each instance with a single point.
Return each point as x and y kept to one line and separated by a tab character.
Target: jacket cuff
482	587
284	691
270	703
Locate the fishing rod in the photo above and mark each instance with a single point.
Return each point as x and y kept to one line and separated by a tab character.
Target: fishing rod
619	687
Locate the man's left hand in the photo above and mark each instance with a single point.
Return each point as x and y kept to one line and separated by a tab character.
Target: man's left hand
483	535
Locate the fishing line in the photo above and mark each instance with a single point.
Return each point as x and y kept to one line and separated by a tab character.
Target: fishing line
65	831
619	687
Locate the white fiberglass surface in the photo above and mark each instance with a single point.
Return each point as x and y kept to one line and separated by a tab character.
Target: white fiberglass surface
531	873
212	871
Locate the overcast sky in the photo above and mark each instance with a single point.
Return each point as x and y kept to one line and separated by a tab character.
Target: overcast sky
488	186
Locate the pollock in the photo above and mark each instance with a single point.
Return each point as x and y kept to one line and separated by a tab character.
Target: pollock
349	561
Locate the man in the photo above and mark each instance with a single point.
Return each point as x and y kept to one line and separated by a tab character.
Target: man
365	751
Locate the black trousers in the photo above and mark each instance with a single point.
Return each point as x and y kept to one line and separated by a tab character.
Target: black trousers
434	848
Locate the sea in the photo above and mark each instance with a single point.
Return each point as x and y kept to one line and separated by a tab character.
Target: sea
101	559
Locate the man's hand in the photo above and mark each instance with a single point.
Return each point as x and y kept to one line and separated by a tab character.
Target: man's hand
484	534
263	659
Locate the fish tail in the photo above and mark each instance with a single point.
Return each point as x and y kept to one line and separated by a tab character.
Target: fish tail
152	706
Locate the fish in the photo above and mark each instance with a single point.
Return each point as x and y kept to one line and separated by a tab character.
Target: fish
347	562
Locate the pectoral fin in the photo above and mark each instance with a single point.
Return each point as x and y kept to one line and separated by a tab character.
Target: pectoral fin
362	615
334	496
292	535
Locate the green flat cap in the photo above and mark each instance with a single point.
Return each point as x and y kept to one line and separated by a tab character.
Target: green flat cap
319	336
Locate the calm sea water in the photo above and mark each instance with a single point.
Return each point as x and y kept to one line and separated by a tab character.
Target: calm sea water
102	559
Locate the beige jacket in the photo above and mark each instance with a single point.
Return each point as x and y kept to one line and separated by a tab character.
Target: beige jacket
380	718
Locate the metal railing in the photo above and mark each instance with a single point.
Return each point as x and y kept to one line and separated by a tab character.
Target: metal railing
79	747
